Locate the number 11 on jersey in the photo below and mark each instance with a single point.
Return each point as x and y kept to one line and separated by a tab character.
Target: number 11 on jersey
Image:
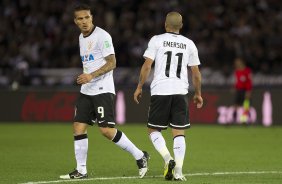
168	62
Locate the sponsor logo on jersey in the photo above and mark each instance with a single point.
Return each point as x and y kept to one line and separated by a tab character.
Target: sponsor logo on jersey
87	57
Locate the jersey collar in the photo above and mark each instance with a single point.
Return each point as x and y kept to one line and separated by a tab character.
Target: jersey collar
173	33
90	32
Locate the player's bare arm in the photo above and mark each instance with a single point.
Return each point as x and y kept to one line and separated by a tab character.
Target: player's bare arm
109	66
144	73
196	79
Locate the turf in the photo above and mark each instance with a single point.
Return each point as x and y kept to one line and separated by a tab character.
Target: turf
41	152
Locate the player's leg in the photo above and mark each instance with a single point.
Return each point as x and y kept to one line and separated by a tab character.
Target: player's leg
121	140
160	144
159	115
239	99
246	106
179	149
80	146
180	122
104	104
83	117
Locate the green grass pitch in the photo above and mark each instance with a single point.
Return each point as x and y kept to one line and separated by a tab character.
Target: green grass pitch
39	153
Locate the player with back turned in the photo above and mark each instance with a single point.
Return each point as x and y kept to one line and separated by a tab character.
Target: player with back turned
95	103
172	54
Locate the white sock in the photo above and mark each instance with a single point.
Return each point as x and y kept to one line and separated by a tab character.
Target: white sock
121	140
179	148
80	150
160	145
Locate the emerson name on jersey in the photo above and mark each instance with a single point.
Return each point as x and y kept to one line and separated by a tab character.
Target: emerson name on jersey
174	44
172	54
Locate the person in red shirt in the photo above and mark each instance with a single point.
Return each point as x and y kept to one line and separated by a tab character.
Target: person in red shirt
243	85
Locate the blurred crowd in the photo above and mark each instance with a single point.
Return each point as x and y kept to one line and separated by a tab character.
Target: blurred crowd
41	34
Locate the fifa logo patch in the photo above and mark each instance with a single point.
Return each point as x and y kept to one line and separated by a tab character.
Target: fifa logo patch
107	44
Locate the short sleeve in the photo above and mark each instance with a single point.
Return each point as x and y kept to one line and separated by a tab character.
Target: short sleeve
106	44
193	57
152	49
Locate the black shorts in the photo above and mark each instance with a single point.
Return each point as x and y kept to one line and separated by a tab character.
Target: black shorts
240	97
168	110
95	109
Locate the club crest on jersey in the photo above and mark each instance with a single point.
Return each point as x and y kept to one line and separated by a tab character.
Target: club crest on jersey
90	45
87	57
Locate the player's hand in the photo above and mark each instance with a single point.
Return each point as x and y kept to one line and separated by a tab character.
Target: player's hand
84	78
137	95
198	100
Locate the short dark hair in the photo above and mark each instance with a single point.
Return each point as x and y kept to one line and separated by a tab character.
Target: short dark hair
82	7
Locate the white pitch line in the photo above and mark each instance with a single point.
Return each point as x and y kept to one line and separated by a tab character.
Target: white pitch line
159	176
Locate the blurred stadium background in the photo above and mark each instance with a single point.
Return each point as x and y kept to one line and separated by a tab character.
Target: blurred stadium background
40	61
